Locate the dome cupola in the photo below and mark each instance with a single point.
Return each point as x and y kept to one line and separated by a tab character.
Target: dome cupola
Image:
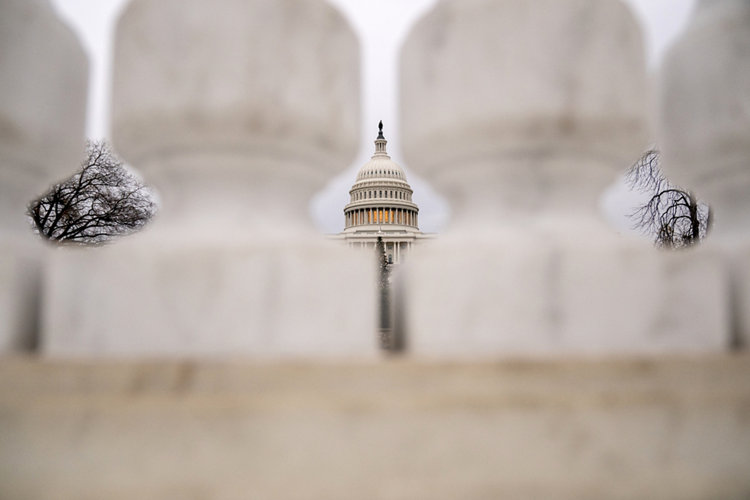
380	165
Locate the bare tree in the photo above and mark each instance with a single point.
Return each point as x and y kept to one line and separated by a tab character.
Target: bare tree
99	202
672	216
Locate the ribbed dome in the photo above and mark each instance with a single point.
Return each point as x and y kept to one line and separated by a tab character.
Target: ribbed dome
381	167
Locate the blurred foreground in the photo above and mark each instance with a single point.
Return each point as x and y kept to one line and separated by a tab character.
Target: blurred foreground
626	372
676	428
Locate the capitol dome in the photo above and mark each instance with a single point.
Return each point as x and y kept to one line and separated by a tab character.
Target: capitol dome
380	208
381	196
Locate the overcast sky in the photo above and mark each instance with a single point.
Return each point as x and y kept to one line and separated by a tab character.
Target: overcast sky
382	25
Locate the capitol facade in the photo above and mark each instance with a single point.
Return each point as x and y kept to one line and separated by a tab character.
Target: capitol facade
381	206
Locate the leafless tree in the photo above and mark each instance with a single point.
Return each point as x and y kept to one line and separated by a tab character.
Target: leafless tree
672	216
101	201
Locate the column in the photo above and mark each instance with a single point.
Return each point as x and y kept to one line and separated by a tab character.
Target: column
43	80
703	128
198	278
512	187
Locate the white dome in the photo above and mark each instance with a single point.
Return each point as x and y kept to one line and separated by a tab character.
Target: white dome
381	167
381	195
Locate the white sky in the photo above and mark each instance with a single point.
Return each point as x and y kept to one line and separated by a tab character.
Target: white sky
382	25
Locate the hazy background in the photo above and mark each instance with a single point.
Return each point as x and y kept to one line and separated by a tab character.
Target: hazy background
382	25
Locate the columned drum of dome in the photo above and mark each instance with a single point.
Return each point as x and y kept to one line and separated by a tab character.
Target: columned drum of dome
381	206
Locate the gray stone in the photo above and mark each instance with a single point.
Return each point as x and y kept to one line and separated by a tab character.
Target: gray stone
522	114
237	112
671	429
43	78
704	129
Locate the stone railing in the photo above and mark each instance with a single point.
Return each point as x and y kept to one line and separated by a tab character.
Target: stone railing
238	111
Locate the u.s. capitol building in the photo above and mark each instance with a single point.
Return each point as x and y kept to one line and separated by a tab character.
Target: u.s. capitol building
381	206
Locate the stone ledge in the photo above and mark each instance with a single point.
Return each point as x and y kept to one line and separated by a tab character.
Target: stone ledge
400	429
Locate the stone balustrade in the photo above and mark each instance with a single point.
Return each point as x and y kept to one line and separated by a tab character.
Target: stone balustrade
237	111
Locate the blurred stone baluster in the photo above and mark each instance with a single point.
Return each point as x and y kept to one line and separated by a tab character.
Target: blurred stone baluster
237	112
43	82
521	113
704	129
